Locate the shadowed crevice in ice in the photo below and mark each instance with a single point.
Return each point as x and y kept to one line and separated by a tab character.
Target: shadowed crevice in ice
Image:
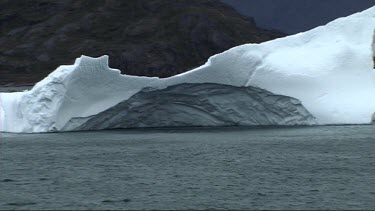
201	105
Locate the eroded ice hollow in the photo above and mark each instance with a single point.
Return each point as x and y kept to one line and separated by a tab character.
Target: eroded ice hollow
323	76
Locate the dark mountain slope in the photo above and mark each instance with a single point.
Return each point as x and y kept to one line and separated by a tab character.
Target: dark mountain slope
142	37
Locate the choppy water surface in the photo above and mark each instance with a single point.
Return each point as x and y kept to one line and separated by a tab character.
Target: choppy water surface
236	168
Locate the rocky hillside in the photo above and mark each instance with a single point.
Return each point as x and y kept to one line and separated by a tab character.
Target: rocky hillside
142	37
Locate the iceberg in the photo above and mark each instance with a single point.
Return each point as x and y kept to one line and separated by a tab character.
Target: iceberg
323	76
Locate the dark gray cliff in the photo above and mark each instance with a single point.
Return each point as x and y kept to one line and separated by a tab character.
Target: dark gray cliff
200	105
142	37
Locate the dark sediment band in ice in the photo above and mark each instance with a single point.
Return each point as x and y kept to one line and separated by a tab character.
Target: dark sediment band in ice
201	105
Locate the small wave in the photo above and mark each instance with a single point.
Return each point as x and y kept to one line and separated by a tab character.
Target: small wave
7	180
21	203
115	201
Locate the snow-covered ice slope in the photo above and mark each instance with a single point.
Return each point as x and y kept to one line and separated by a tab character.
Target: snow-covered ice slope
329	69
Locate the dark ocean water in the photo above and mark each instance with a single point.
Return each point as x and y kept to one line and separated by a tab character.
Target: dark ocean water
221	168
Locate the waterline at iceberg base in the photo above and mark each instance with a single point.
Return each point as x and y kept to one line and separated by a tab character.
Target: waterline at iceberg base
323	76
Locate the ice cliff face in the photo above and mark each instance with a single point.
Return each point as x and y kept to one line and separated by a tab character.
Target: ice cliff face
328	69
201	105
89	95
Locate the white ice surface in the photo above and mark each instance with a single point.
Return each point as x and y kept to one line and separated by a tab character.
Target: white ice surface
329	69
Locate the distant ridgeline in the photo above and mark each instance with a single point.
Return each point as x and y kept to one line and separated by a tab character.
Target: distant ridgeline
151	38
